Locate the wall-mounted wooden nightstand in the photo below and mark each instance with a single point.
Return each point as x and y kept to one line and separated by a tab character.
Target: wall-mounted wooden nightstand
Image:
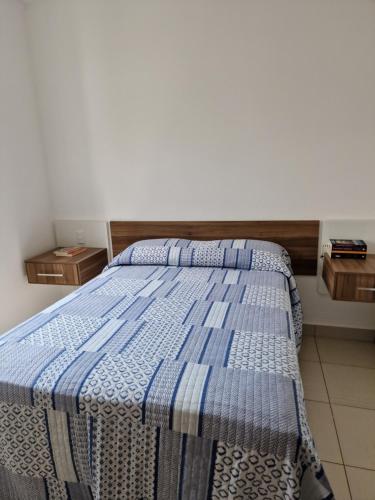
48	269
350	279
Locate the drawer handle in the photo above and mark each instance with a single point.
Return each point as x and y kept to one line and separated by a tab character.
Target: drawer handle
51	275
364	289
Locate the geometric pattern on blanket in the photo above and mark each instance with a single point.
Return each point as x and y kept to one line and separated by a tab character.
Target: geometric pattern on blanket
173	374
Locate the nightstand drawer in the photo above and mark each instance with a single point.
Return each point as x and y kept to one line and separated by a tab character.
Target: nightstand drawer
47	269
350	279
356	287
52	274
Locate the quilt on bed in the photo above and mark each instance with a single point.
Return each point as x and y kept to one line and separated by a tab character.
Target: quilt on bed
172	375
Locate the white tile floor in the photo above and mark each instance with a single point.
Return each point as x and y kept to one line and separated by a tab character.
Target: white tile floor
339	383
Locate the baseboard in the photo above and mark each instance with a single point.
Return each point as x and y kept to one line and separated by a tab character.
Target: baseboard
339	332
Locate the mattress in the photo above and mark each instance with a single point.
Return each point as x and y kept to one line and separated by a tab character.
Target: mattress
172	375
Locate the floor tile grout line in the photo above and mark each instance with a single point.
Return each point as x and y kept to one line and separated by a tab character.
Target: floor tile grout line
356	467
335	463
352	339
344	339
338	364
351	406
334	422
317	401
349	366
339	404
369	332
347	465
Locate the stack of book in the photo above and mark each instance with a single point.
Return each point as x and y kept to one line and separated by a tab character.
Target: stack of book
69	251
348	249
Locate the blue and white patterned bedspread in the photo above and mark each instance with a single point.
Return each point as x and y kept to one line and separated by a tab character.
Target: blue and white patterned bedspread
172	375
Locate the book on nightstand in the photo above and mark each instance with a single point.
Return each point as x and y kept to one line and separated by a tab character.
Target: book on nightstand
347	249
69	251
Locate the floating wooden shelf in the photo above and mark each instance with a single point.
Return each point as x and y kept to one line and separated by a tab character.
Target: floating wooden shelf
47	269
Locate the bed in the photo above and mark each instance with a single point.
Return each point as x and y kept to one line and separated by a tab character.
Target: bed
172	375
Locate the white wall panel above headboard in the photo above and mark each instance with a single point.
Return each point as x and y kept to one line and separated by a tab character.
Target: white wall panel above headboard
210	110
91	233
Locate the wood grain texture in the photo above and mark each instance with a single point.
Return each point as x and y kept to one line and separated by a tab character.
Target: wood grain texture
350	279
66	270
300	238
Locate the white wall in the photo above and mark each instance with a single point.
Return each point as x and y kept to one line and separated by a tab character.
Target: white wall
210	109
25	213
207	108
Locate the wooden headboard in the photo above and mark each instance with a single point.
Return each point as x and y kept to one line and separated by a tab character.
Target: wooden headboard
299	237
